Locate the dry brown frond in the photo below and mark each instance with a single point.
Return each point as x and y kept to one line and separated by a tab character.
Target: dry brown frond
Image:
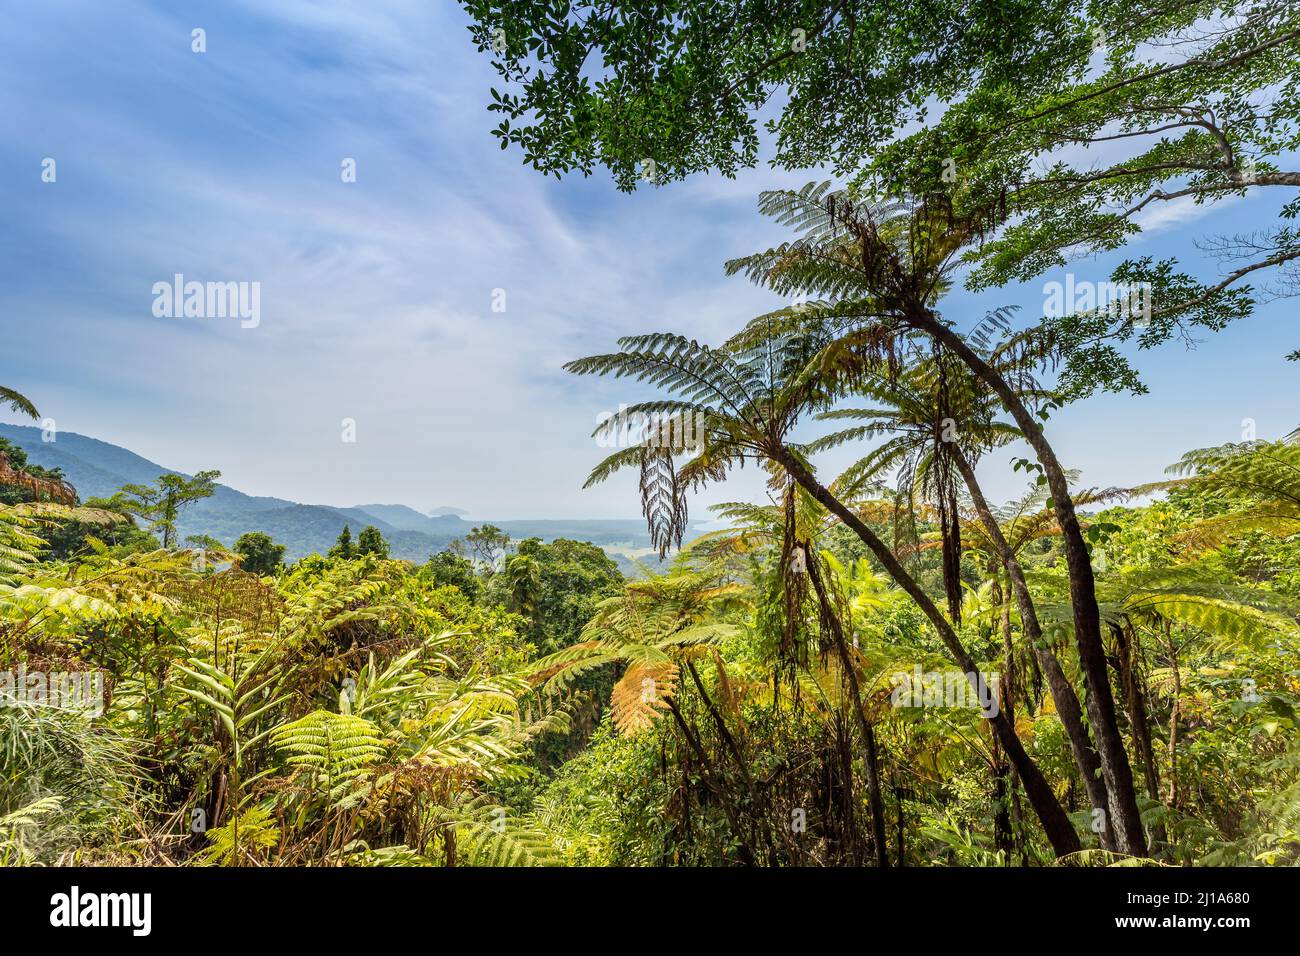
641	695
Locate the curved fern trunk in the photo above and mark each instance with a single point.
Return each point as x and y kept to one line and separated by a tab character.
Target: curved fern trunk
1060	832
868	732
1067	702
1124	815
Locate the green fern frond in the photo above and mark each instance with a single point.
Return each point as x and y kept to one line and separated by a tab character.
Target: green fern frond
334	749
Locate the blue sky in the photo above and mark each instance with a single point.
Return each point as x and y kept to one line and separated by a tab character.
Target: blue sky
376	295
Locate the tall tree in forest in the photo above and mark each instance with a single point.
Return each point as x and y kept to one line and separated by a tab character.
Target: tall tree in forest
343	547
370	541
260	554
488	546
942	419
161	503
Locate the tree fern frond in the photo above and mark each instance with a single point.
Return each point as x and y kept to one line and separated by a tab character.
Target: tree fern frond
333	748
488	835
641	695
18	403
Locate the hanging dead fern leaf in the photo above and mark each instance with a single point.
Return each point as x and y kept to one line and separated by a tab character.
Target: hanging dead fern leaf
662	499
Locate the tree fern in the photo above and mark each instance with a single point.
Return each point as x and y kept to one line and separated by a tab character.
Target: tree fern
649	628
1260	481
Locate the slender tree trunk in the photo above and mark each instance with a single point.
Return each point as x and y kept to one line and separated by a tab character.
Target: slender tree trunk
718	786
1067	703
721	725
898	800
1002	832
1010	689
1007	694
449	845
1173	726
1017	819
875	796
1056	824
812	562
1124	815
1139	721
1036	680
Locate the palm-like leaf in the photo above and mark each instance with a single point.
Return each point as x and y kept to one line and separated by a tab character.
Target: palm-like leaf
18	403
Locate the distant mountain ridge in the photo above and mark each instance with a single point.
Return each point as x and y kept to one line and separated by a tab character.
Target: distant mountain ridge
408	519
98	469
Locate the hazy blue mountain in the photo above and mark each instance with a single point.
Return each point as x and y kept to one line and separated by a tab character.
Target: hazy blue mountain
98	469
408	519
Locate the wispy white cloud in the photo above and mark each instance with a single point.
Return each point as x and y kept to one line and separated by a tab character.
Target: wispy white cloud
376	295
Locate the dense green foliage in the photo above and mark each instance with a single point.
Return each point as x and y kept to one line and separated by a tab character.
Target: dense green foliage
258	553
362	711
982	143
